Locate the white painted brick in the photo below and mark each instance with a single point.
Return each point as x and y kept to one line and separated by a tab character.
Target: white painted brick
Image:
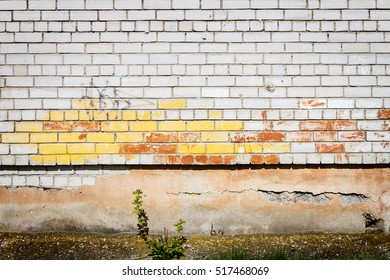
256	103
284	103
13	5
369	103
157	4
269	14
70	5
188	4
363	4
125	4
332	4
303	147
99	4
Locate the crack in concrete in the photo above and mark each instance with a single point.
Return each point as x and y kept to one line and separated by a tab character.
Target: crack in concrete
290	197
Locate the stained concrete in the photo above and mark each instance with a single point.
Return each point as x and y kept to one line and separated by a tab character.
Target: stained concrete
235	201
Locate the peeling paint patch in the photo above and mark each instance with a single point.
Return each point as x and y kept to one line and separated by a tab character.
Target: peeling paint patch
349	199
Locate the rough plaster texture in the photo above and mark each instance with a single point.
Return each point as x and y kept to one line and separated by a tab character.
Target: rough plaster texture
236	201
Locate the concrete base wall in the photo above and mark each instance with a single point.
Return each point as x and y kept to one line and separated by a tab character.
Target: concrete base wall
235	201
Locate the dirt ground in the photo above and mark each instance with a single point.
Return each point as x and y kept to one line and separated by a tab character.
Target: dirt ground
60	246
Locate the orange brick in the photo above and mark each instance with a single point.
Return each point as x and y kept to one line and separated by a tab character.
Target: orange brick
201	159
187	159
229	159
257	159
134	148
86	126
216	160
315	125
157	137
164	149
185	137
330	148
272	159
384	114
240	137
57	126
325	136
271	136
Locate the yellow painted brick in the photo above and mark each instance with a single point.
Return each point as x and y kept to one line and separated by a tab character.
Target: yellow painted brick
43	137
52	149
114	115
49	160
220	148
107	148
36	160
29	127
172	126
115	126
143	126
200	125
129	137
158	115
248	148
77	159
143	115
192	149
90	159
57	116
215	114
81	148
129	115
63	159
220	136
100	137
72	137
228	125
85	115
100	116
72	115
276	148
15	138
85	104
172	104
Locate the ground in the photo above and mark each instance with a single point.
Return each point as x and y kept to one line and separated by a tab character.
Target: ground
94	246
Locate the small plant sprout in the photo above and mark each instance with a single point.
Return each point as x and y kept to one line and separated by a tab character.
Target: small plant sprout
163	247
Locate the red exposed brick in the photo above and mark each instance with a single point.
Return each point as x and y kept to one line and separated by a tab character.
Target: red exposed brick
57	126
271	136
201	159
230	159
86	126
164	149
299	136
166	159
325	136
158	138
330	148
344	125
272	159
215	159
240	137
186	137
312	103
352	136
82	136
134	148
187	159
384	114
257	159
316	125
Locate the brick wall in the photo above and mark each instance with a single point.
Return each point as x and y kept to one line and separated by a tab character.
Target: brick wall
194	82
